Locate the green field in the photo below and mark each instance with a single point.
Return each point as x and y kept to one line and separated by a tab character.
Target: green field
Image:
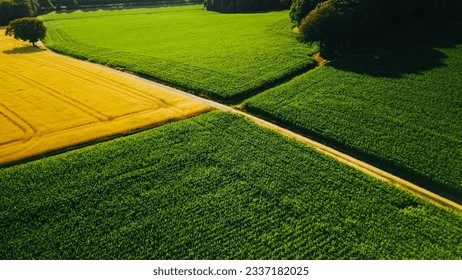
397	105
225	56
212	187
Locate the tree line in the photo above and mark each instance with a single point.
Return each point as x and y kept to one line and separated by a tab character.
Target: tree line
14	9
231	6
134	2
341	24
336	24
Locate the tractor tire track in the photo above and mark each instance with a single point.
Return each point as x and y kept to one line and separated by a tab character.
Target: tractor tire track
28	130
96	78
100	116
104	81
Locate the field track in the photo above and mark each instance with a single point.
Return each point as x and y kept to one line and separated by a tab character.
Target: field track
134	103
50	102
355	163
342	157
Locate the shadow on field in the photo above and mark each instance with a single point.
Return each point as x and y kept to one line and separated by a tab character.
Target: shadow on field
412	50
23	50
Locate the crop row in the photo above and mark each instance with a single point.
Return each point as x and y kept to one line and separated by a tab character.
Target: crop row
214	186
399	107
224	56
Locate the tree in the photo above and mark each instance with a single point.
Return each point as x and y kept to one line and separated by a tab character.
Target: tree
46	5
301	8
27	8
338	24
7	11
322	25
342	24
27	29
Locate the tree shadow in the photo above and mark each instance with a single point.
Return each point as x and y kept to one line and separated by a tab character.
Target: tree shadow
23	50
411	50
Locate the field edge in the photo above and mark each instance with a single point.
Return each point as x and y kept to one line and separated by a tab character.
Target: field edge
400	171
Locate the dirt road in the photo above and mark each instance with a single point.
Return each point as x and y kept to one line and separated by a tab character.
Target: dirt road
53	101
344	158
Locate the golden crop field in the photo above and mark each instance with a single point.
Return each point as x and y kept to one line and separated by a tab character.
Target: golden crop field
50	102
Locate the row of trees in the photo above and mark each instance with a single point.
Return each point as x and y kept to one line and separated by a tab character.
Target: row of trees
341	24
232	6
14	9
110	2
20	14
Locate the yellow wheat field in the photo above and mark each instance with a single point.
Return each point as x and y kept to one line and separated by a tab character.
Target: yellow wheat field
49	102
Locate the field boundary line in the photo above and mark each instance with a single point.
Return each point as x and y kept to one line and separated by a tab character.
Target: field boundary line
342	157
331	152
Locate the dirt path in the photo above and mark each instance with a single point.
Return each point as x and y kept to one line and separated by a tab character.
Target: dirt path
344	158
103	72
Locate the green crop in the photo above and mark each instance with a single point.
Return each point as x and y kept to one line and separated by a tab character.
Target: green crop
226	56
214	186
399	106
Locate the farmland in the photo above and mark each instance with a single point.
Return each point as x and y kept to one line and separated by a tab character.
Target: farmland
49	102
225	57
214	186
397	105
